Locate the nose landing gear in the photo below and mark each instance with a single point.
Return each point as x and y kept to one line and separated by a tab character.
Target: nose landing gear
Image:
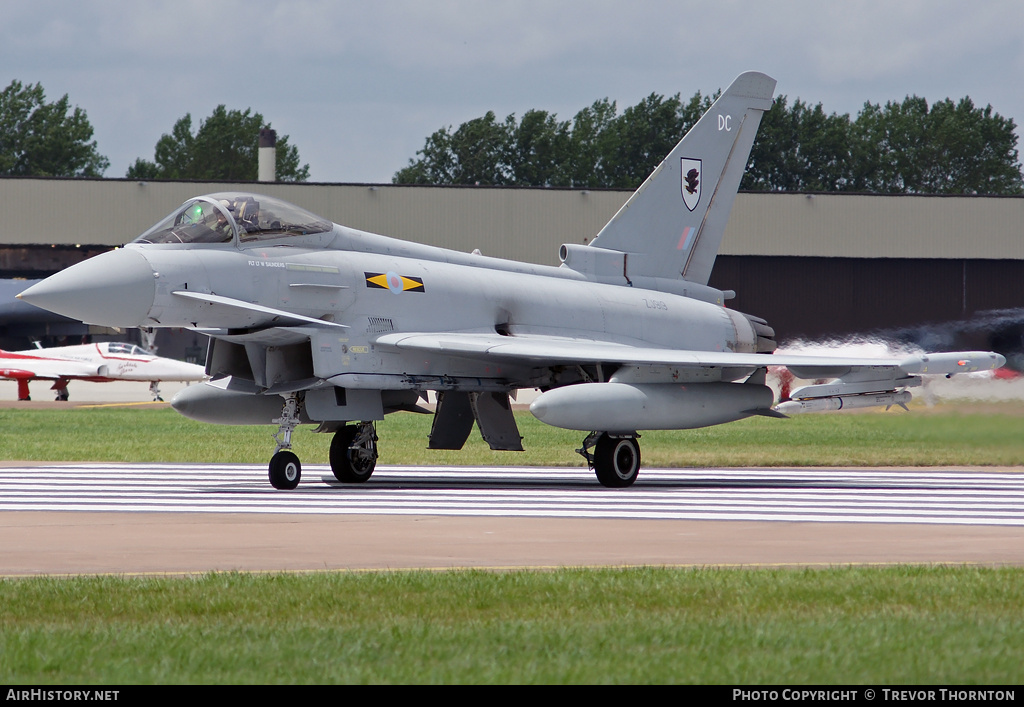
285	468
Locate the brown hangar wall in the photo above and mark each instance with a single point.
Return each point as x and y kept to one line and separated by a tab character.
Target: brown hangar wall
814	297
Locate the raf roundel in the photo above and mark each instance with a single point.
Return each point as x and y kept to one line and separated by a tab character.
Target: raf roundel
394	282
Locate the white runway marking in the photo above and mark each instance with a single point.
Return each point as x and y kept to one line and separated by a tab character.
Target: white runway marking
819	495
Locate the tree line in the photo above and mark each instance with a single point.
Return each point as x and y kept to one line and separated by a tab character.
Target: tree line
49	139
907	147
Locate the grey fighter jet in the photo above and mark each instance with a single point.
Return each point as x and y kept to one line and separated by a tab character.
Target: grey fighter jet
312	322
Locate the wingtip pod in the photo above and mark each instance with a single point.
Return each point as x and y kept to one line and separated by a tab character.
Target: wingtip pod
952	362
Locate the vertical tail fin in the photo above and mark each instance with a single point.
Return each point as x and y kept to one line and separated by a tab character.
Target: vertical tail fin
673	224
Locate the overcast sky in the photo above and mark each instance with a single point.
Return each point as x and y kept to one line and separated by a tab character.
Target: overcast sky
358	86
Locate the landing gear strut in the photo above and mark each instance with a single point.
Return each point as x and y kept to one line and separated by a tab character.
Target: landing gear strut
61	388
354	453
285	469
615	459
148	336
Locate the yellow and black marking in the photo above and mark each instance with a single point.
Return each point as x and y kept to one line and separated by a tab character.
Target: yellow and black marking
394	282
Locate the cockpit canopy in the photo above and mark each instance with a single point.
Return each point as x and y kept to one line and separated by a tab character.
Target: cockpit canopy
114	348
220	218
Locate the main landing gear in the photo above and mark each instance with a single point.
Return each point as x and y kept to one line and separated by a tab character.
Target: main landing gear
615	459
354	453
353	450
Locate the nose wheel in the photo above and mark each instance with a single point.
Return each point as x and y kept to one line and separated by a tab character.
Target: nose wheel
285	470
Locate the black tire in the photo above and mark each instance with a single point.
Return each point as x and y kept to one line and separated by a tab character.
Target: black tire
351	466
617	461
285	470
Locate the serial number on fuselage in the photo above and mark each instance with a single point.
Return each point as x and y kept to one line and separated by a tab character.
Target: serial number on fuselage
655	304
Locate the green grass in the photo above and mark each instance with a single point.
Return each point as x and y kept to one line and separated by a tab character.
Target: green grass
905	625
937	437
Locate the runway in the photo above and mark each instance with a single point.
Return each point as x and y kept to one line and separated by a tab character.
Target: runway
801	495
164	518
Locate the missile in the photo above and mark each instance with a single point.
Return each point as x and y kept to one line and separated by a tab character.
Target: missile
622	408
843	402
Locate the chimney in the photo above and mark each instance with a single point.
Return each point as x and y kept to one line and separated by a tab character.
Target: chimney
267	170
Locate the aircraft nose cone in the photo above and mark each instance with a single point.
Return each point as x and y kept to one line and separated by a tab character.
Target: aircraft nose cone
182	371
114	289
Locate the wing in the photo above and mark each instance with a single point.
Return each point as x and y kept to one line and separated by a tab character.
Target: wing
551	350
852	376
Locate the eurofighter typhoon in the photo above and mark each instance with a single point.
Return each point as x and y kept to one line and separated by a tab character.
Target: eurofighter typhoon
315	323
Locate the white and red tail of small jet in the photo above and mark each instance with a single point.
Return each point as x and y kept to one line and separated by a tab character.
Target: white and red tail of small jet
101	363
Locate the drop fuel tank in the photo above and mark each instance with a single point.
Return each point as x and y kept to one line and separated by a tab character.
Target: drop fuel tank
622	407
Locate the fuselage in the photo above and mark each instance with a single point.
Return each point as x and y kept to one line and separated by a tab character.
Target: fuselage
373	294
420	295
